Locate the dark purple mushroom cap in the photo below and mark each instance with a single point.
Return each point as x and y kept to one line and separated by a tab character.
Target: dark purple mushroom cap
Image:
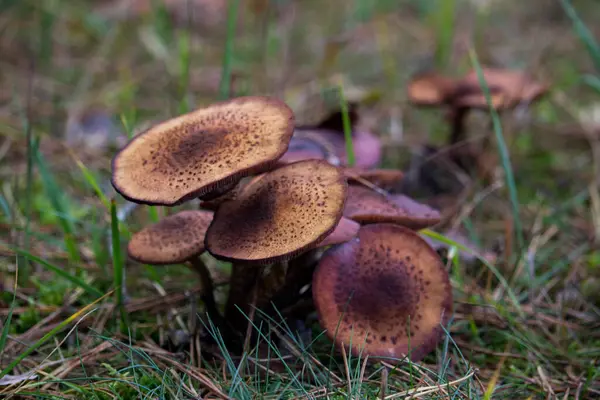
199	152
174	239
280	214
386	293
367	206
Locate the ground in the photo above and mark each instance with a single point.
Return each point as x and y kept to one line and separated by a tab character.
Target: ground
524	326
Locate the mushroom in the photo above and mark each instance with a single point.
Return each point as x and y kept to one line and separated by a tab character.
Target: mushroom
200	152
507	89
275	217
367	206
385	293
380	178
282	213
178	238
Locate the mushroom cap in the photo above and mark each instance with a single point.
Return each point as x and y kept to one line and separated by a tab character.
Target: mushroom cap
345	230
366	206
380	177
507	89
174	239
279	215
430	89
387	290
193	154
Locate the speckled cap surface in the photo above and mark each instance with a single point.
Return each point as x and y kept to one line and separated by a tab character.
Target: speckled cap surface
381	291
172	240
193	154
279	214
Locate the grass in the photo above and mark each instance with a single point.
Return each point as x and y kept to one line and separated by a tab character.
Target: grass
525	326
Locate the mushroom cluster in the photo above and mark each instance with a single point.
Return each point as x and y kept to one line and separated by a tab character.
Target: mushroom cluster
275	194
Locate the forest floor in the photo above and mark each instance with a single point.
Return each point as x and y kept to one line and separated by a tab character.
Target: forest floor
526	327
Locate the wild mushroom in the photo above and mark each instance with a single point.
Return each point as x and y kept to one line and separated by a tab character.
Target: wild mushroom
507	89
284	213
367	206
275	217
200	152
380	178
385	293
178	238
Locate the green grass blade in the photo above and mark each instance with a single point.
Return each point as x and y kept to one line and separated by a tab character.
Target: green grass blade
350	157
225	84
584	34
91	180
55	194
6	327
60	272
503	150
118	271
444	29
49	335
497	274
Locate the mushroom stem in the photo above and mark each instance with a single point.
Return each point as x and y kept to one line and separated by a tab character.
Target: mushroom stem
457	116
241	285
208	296
299	274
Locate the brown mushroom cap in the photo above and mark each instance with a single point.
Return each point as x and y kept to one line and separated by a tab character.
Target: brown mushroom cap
174	239
366	206
193	154
380	177
507	89
281	214
388	291
430	89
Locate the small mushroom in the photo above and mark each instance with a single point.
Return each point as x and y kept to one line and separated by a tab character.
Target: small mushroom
367	206
385	293
282	213
381	178
200	152
507	90
176	239
431	89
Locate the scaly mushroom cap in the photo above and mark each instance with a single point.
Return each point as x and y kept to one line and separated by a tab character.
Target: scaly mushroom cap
430	89
388	291
174	239
366	206
279	215
507	89
193	154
